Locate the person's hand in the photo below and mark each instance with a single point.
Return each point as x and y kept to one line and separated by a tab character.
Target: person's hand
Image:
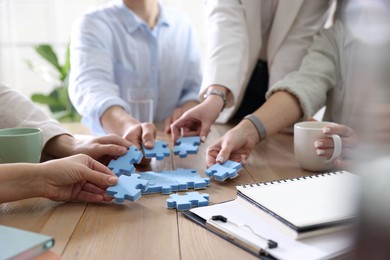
198	120
324	146
235	145
103	148
116	120
178	112
75	178
143	133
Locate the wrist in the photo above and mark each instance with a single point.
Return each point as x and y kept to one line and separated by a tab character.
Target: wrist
20	181
60	146
38	180
217	91
213	105
256	122
249	130
117	121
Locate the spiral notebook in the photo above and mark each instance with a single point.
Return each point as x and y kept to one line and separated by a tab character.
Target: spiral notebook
306	206
316	209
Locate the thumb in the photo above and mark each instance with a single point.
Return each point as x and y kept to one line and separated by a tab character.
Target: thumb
224	153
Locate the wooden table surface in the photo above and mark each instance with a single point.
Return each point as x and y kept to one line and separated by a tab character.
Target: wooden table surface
146	229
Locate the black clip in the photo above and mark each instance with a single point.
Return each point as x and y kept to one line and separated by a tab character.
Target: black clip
271	243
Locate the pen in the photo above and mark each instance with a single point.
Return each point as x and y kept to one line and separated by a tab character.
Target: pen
212	223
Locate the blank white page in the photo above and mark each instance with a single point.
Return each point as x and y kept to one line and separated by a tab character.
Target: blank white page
309	201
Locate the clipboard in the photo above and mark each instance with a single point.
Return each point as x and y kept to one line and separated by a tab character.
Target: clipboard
324	246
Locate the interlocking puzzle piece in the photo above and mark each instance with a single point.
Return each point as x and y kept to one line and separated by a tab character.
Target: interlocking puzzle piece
166	182
124	164
221	172
186	145
160	150
187	201
128	187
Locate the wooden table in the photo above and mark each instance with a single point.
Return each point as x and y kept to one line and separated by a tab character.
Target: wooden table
146	229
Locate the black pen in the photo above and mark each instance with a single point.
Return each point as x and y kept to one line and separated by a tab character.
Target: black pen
240	241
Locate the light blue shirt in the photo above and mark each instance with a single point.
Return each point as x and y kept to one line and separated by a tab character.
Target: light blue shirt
113	50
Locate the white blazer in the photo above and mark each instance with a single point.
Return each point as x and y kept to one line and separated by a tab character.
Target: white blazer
235	41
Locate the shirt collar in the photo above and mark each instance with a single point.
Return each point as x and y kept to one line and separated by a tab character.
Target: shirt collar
133	22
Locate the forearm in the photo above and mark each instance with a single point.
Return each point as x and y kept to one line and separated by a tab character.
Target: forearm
281	110
189	104
116	121
20	181
60	146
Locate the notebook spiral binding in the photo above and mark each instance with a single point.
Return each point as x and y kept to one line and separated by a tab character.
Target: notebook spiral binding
249	185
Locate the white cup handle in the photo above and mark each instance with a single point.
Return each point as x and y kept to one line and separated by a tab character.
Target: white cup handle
338	146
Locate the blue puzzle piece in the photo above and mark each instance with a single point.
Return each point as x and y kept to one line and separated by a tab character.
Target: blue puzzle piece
160	150
232	164
166	182
186	145
187	201
221	172
124	164
128	187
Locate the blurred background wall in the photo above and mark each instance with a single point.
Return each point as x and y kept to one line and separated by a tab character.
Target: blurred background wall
26	23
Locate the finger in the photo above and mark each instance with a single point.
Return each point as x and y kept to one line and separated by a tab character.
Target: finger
89	187
134	137
98	174
107	198
204	131
95	166
89	197
211	155
224	153
167	124
341	130
105	159
327	153
109	149
176	129
148	134
348	142
113	139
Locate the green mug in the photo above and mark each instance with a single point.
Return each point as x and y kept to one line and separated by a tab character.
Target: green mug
20	145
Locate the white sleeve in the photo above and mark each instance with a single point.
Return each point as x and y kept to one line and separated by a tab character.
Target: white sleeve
309	20
318	73
227	54
19	111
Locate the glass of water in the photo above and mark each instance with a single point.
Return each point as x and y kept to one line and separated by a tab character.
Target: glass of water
141	104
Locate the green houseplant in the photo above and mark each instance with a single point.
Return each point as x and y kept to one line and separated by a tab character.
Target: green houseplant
57	100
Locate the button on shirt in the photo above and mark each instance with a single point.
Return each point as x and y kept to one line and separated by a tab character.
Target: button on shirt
113	50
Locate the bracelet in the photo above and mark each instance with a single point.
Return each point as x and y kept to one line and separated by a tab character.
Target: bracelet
217	93
258	125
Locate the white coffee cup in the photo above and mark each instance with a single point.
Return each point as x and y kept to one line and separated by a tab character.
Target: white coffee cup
305	134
